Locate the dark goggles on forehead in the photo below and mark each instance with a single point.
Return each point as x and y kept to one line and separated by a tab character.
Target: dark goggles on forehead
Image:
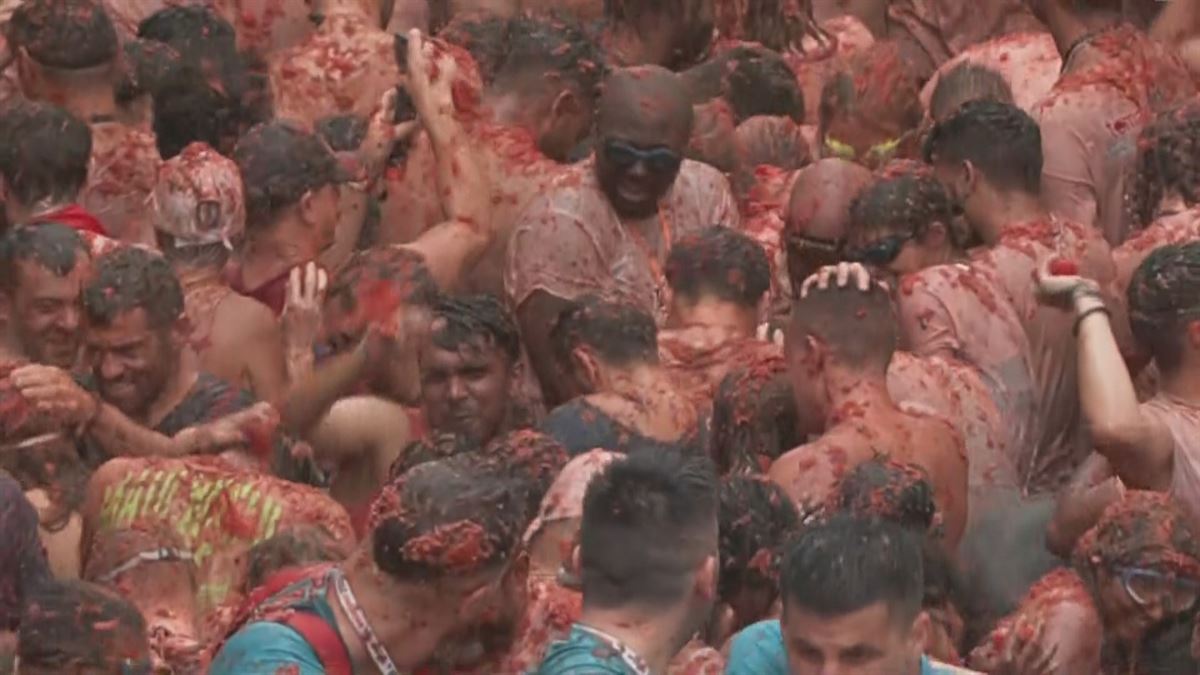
1142	584
881	252
658	159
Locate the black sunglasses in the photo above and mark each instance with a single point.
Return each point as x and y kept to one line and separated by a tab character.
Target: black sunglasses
658	159
881	252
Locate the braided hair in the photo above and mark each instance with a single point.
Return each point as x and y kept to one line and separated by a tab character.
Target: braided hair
1168	161
905	203
1164	294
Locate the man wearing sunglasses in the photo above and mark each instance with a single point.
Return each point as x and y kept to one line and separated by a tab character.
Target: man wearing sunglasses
607	225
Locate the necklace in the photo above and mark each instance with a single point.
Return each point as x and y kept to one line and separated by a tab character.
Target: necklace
362	627
636	663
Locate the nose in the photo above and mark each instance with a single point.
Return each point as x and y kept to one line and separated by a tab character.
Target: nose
111	367
639	169
458	388
68	319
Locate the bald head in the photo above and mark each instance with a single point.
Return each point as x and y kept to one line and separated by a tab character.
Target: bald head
821	197
645	105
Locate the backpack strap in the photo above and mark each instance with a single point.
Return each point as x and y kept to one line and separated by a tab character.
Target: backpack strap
324	640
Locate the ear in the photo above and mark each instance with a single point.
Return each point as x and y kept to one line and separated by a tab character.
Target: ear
476	602
1193	334
706	579
28	72
181	331
566	106
308	207
936	234
586	366
919	636
968	177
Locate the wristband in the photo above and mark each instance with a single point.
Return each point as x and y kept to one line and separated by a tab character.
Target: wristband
1098	309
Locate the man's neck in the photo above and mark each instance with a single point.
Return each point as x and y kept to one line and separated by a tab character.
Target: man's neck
653	636
855	395
1014	208
270	255
180	383
1183	384
90	98
409	633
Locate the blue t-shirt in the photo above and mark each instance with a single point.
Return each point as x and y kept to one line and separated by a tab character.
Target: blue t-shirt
584	653
759	650
266	648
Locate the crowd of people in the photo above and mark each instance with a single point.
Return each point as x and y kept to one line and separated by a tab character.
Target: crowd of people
625	337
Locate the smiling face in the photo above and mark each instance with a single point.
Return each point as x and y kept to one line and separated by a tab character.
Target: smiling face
131	360
44	313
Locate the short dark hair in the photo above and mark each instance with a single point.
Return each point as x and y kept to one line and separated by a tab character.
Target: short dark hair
859	327
375	282
552	44
294	547
483	34
753	80
847	564
721	262
53	246
1164	296
756	519
691	47
188	109
342	133
1168	161
964	83
620	333
534	458
464	319
648	520
130	278
280	162
73	624
66	34
896	492
754	418
451	517
907	204
873	83
1000	139
44	152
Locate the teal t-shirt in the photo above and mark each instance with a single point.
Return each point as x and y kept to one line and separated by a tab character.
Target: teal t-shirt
759	650
583	653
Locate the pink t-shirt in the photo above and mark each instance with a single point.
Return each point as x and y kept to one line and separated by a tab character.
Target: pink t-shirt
943	28
1110	88
1014	262
1176	228
1028	62
817	62
1184	423
570	242
960	311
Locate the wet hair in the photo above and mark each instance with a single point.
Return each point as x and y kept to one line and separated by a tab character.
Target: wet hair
1168	162
964	83
754	419
1164	296
874	84
130	278
848	564
52	246
907	204
23	563
719	262
1143	529
342	133
192	30
453	517
292	548
53	465
461	320
1002	141
753	80
620	333
375	282
430	449
73	624
860	328
690	47
541	45
66	34
485	37
187	109
649	520
44	152
756	518
533	458
895	492
775	24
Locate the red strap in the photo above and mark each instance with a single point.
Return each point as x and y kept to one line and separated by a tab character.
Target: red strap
324	640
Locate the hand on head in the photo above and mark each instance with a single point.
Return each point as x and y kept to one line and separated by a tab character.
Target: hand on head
841	274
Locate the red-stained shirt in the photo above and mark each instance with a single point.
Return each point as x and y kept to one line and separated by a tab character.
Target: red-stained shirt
570	242
960	311
763	221
1111	87
344	67
699	358
817	62
1028	62
121	179
1183	422
1176	228
1014	262
943	28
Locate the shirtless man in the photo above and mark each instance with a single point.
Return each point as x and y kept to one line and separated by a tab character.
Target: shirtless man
615	393
839	344
67	55
1149	445
1115	78
946	305
607	225
200	213
989	155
